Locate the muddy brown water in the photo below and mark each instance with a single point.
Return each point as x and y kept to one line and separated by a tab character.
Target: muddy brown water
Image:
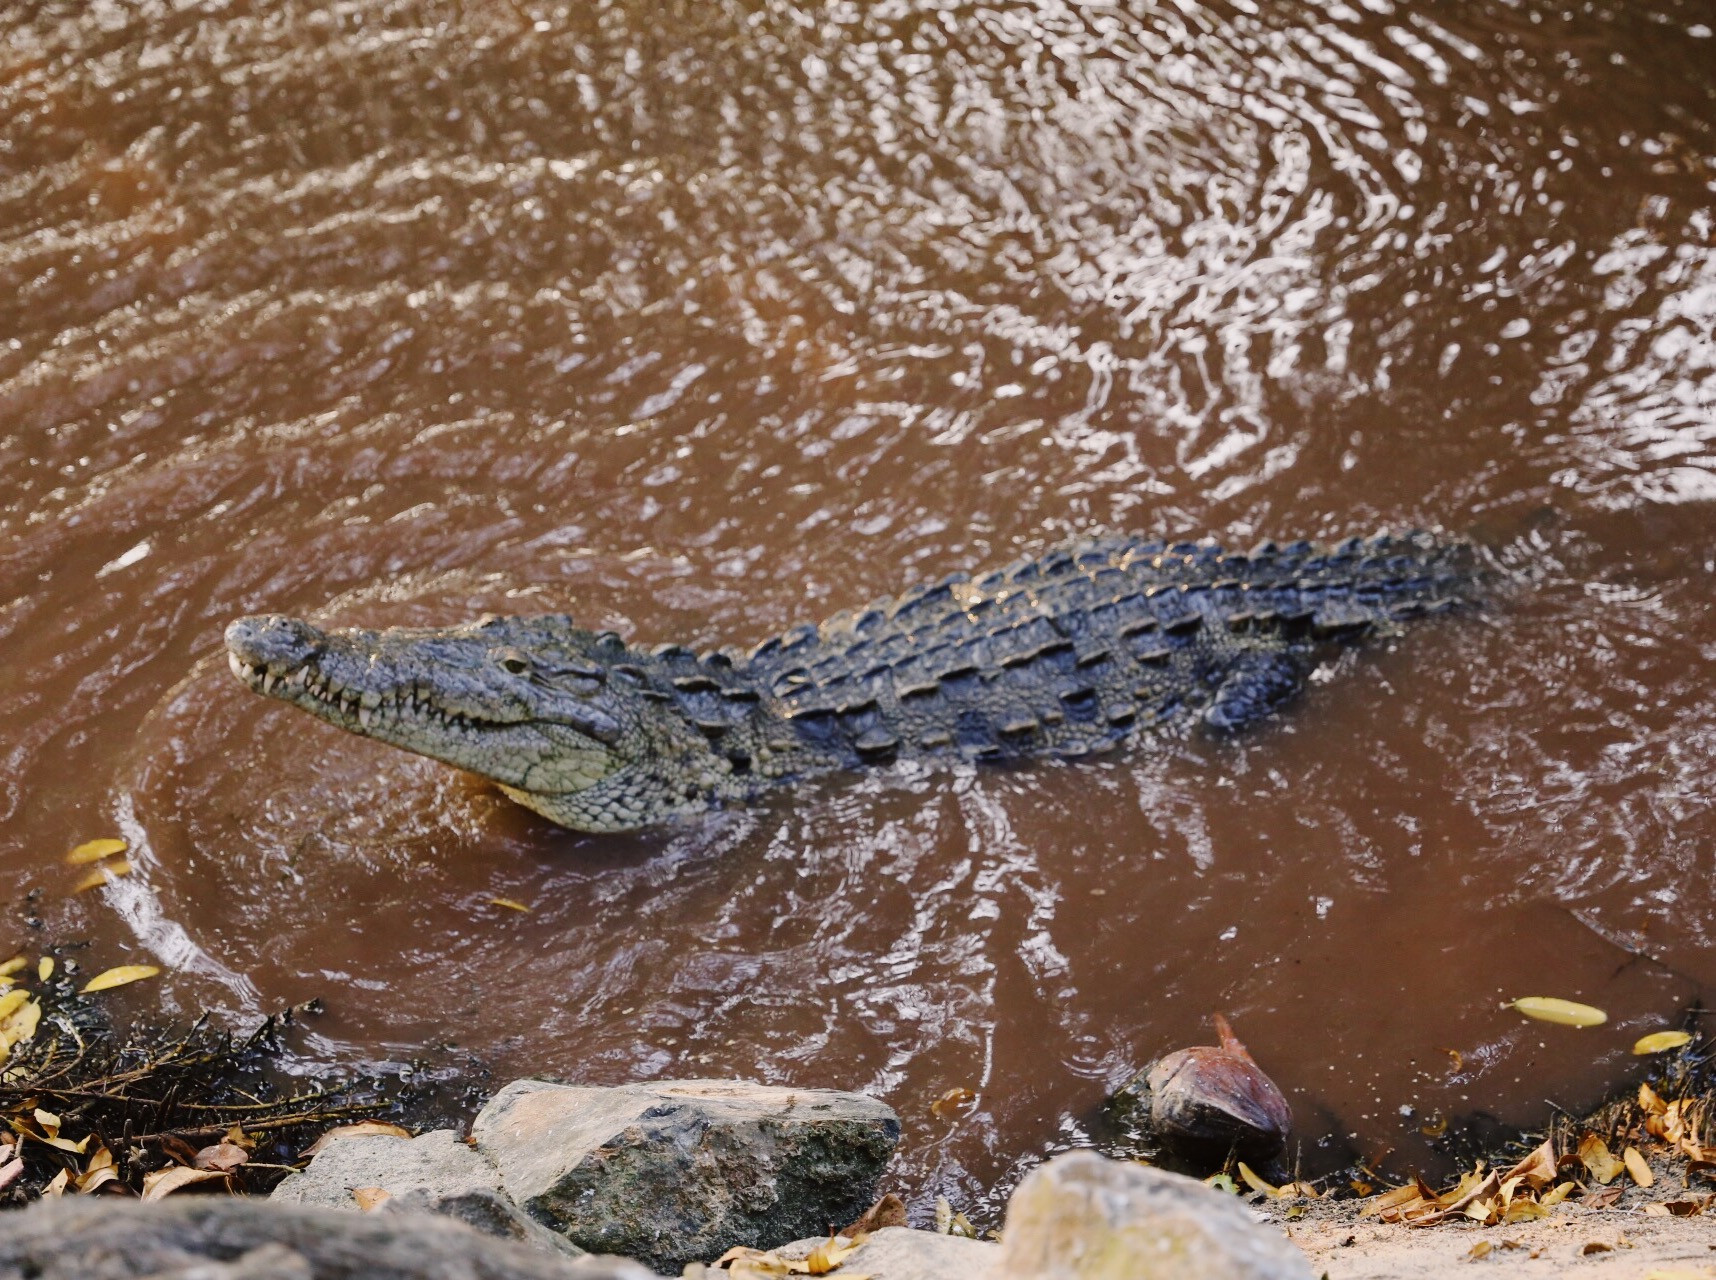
700	319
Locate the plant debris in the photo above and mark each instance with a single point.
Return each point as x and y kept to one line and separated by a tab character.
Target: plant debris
1567	1013
85	1109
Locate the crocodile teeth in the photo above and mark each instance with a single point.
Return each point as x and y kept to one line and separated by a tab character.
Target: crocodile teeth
269	681
235	664
364	717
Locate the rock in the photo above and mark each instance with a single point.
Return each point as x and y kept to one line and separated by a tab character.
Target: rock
1085	1217
194	1237
899	1253
679	1171
1213	1098
435	1172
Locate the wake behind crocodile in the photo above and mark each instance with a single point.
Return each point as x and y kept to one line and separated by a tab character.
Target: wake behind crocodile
1066	655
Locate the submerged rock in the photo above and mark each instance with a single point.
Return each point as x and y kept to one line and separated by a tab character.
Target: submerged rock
1209	1096
679	1171
234	1238
1085	1217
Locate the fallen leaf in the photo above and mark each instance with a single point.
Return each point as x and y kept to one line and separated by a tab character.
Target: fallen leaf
1594	1154
1637	1169
14	965
224	1156
889	1211
20	1024
106	873
1656	1211
44	968
953	1102
119	977
1555	1195
1254	1182
1596	1246
57	1185
1524	1211
828	1255
944	1213
95	851
1650	1102
1567	1013
1435	1126
362	1129
369	1197
509	904
1661	1042
1593	1198
10	1172
163	1182
12	1000
1459	1058
1480	1250
1537	1170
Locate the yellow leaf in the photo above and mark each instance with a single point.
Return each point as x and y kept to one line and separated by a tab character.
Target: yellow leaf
106	873
1567	1013
44	968
1650	1102
508	903
1523	1211
1555	1195
12	1001
827	1256
95	851
1254	1182
1637	1169
1661	1042
13	965
1480	1250
362	1129
58	1185
93	1179
953	1102
163	1182
118	977
1537	1169
1594	1154
20	1024
49	1121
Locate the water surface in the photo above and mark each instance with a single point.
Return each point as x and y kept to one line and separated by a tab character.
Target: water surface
698	320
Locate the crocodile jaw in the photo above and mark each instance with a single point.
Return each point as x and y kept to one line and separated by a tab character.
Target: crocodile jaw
343	679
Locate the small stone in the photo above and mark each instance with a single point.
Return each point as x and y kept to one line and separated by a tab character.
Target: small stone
678	1171
1085	1217
1209	1097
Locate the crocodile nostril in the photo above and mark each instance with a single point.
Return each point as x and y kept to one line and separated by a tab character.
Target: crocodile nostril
274	640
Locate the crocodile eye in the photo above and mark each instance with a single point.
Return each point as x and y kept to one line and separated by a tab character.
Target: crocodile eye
513	662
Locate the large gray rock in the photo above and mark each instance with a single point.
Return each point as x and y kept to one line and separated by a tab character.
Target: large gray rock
1082	1216
679	1171
435	1172
193	1237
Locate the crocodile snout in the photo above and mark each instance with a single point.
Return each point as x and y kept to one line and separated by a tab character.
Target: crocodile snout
273	640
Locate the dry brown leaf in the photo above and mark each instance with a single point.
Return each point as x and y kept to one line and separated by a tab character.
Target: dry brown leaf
1600	1198
1650	1102
1637	1169
1596	1246
889	1211
93	1180
370	1197
57	1185
362	1129
224	1156
1594	1154
119	977
1537	1170
95	851
163	1182
1524	1211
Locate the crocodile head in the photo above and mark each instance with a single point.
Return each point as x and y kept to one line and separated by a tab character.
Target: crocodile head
562	719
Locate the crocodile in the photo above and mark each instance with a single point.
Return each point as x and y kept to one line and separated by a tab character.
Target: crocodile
1063	655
